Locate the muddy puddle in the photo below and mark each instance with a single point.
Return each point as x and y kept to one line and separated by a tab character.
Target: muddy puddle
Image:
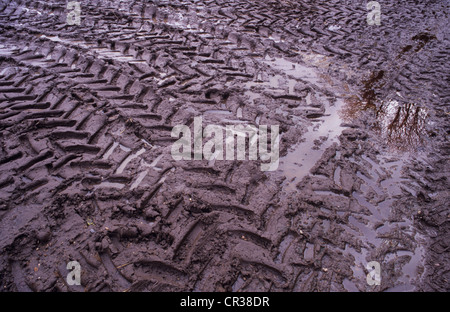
321	134
379	229
401	127
323	113
400	122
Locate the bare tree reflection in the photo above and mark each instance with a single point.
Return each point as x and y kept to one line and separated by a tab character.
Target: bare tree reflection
402	125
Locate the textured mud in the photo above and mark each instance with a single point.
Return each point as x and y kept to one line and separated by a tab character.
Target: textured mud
86	113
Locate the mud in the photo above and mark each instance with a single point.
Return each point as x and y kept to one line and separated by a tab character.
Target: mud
86	114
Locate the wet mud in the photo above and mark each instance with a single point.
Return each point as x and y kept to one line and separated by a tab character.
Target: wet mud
87	175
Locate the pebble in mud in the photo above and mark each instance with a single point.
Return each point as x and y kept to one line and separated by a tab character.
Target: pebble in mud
44	235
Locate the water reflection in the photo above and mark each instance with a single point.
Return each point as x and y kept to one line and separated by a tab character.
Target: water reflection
401	123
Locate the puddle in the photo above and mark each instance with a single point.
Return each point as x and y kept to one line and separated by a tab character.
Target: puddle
6	50
400	122
372	234
281	85
365	230
295	70
110	185
217	112
359	274
403	125
299	161
410	270
325	126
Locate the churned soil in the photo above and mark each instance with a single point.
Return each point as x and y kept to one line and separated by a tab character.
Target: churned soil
87	174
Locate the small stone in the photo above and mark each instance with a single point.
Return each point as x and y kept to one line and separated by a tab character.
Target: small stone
43	235
104	244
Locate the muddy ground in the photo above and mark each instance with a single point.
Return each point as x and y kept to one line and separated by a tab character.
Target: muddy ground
86	114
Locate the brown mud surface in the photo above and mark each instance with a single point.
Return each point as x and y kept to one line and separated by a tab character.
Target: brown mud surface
86	173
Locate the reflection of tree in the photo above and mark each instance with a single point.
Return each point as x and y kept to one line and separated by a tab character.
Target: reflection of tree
354	107
405	130
366	100
401	125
